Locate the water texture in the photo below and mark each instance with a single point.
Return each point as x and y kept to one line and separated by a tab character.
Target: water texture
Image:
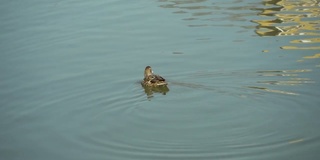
243	79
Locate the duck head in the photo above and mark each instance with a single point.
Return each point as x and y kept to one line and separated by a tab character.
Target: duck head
148	71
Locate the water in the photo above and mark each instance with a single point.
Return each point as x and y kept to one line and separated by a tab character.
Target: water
243	79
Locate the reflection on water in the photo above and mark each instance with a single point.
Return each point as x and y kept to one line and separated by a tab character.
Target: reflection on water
292	18
202	13
271	81
273	91
224	101
282	73
149	91
292	80
307	40
313	56
286	73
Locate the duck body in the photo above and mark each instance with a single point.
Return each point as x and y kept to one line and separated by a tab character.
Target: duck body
152	80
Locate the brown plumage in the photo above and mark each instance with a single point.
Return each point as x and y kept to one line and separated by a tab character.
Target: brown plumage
151	79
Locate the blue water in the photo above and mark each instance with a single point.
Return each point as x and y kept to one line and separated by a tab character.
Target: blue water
243	80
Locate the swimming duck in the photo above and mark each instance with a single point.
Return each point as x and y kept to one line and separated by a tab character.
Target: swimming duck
151	79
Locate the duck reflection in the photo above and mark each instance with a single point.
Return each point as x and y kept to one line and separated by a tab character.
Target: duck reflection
153	83
149	91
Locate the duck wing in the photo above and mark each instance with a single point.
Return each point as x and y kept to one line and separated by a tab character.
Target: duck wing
157	78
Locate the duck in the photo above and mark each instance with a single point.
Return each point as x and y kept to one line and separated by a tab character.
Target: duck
152	80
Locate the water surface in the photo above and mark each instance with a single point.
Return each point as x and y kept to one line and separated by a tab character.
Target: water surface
243	79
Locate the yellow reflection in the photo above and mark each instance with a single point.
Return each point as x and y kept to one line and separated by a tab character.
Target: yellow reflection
302	18
292	18
295	47
291	82
312	57
283	73
307	40
273	91
282	78
296	141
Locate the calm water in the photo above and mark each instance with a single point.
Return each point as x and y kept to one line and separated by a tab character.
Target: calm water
244	79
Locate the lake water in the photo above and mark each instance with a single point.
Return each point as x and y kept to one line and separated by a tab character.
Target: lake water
244	80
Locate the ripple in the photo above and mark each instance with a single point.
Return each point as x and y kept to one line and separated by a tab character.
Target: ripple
86	103
313	56
167	131
202	13
124	123
296	19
